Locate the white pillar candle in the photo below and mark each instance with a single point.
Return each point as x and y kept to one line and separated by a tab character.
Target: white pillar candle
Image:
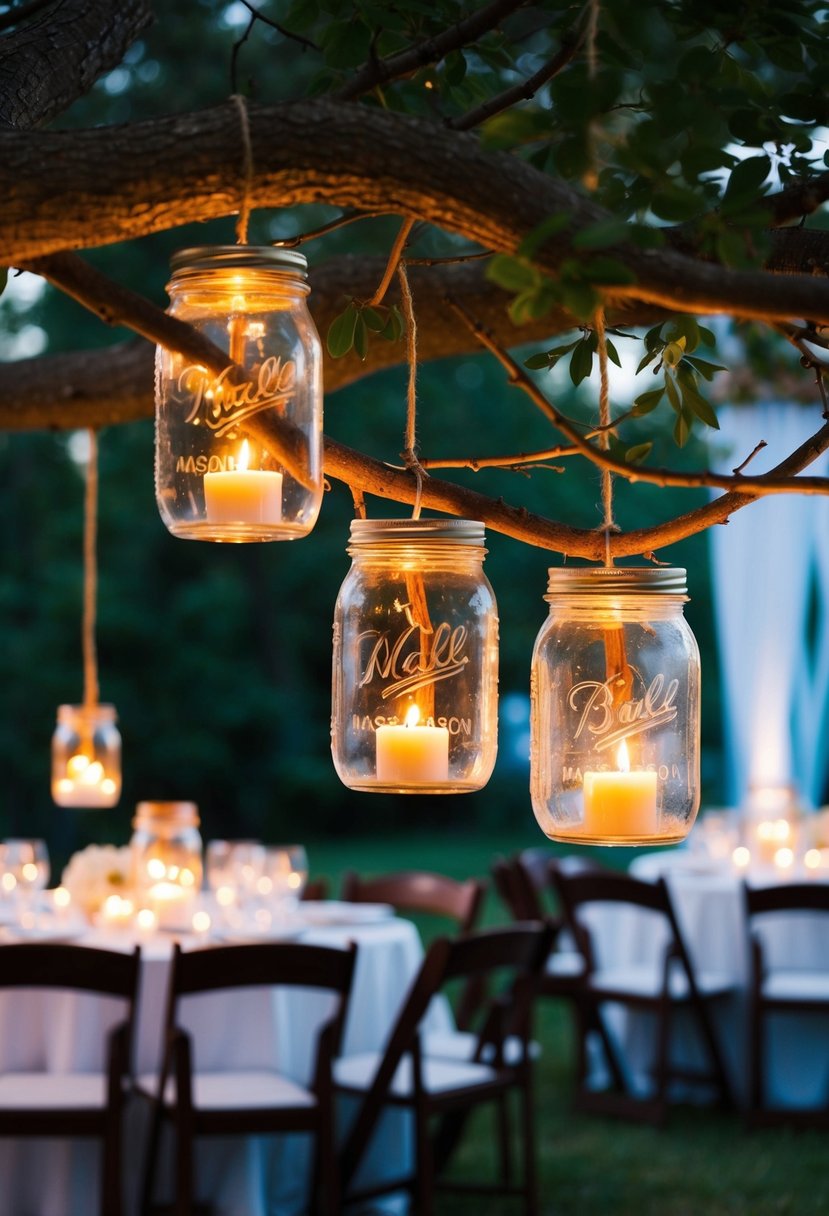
412	755
620	803
243	495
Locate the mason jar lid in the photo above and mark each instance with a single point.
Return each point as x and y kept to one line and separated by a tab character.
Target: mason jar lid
406	531
615	580
171	814
239	257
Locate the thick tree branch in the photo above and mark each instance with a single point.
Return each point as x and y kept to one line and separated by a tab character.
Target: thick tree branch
431	50
186	167
799	199
56	57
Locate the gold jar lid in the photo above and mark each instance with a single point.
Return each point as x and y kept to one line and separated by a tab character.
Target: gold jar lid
168	814
615	580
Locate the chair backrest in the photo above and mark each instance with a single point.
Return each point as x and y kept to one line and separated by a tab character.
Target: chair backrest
579	890
525	881
420	891
787	897
513	954
259	965
316	888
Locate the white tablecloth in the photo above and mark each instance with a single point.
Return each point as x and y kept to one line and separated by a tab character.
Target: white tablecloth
709	907
253	1176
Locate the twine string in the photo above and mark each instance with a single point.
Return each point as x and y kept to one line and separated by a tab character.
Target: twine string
608	523
90	576
409	452
247	168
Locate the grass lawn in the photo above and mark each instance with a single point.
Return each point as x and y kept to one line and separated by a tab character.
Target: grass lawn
702	1164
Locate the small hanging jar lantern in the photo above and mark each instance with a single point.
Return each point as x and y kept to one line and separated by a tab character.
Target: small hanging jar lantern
415	672
86	744
238	444
86	756
166	849
614	753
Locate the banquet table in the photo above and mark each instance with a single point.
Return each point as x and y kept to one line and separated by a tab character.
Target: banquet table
708	901
242	1176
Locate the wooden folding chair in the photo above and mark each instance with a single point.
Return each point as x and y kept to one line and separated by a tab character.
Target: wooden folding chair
659	986
459	901
407	1076
218	1103
780	987
74	1104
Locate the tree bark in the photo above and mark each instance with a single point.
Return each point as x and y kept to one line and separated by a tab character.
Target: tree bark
188	167
57	55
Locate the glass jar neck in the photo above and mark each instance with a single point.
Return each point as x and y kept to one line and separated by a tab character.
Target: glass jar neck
238	287
437	555
70	715
599	609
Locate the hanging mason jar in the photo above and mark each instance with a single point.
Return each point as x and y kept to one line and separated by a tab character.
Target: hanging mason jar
614	753
166	851
415	673
86	756
238	446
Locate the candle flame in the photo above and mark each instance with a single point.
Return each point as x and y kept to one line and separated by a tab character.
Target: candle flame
623	759
412	716
244	456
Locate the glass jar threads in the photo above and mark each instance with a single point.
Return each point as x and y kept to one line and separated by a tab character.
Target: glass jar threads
166	849
614	724
415	672
238	443
86	756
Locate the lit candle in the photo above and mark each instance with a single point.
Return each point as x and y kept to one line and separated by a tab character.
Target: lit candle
620	803
86	783
117	911
243	495
412	754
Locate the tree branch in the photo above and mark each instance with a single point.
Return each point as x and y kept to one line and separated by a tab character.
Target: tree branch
178	169
431	50
56	57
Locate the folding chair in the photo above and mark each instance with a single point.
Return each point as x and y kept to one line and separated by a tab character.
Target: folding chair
660	986
781	986
407	1076
74	1104
198	1102
459	901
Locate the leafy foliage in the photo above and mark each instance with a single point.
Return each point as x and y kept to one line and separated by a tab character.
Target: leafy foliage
351	328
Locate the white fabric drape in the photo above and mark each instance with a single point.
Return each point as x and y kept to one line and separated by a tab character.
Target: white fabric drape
767	562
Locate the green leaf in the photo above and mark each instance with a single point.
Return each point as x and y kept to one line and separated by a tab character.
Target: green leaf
373	318
646	402
645	360
673	393
685	328
538	362
746	179
360	337
548	227
706	369
513	274
581	362
395	327
638	453
682	429
340	338
454	67
608	271
580	299
4	278
612	353
346	43
707	337
607	232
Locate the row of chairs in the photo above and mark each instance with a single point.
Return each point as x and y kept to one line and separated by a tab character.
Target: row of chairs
533	885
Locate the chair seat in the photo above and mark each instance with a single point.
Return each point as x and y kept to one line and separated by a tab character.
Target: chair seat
53	1091
796	986
645	981
439	1074
461	1044
243	1090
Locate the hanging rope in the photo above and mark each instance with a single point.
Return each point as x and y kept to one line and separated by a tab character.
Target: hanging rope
247	169
608	522
409	454
90	576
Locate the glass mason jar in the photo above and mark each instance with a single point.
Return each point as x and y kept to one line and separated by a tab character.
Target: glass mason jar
238	446
166	850
614	725
415	672
86	756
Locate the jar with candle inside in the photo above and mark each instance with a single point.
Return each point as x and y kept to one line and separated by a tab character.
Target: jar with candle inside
86	757
166	848
415	663
238	441
615	708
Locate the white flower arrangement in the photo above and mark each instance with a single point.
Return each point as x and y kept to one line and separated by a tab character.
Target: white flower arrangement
95	873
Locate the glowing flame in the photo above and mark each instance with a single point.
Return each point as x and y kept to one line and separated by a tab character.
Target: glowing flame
623	759
412	716
244	456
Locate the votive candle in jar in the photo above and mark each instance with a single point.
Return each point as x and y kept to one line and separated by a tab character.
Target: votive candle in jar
615	708
415	665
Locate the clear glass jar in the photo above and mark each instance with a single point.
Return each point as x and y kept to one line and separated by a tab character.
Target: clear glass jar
86	756
415	672
238	450
166	850
614	752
